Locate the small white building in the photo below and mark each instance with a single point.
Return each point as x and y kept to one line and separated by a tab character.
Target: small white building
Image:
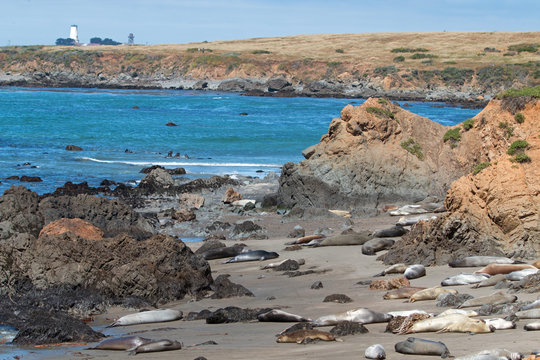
74	33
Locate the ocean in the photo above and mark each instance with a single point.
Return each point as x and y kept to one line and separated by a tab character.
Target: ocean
122	131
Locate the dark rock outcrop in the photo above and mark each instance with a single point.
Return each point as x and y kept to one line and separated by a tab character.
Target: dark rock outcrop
234	314
225	288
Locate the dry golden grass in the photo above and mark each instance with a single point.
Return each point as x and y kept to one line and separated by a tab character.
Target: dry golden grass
366	49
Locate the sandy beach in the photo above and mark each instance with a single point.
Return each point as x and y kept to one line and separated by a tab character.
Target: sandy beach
345	266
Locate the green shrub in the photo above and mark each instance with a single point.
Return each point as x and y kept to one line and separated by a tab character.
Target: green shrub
261	52
382	101
380	112
508	128
519	117
399	59
453	134
450	62
524	48
333	64
413	147
455	76
423	56
480	167
408	50
385	70
530	91
468	124
521	158
340	51
517	146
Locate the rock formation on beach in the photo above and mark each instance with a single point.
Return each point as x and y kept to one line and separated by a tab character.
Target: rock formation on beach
496	209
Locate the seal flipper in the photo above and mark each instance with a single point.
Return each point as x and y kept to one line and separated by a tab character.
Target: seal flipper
115	323
382	273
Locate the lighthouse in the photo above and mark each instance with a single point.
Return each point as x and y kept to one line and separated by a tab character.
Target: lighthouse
74	33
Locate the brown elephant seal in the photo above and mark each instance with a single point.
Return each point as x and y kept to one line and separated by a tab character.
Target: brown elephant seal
491	281
145	317
430	293
415	271
300	336
280	316
394	231
496	298
495	269
305	239
394	269
155	346
475	261
223	252
375	352
360	315
450	323
373	246
355	238
402	293
121	343
417	346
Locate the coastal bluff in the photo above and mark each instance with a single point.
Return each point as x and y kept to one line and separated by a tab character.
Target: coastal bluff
374	154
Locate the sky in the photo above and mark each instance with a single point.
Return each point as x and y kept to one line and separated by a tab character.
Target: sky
41	22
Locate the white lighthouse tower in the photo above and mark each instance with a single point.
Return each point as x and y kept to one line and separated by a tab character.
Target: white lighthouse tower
74	33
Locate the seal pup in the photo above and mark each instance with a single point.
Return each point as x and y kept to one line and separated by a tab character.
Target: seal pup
417	346
475	261
305	239
491	281
375	352
394	231
223	252
360	315
275	265
528	314
155	346
145	317
373	246
394	269
280	316
495	269
430	293
415	271
500	324
464	279
253	255
121	343
520	274
402	293
533	326
496	298
300	336
450	323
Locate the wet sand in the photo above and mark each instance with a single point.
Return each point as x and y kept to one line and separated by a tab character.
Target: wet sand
249	340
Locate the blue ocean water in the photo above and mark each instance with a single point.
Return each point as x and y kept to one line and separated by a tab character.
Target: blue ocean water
37	124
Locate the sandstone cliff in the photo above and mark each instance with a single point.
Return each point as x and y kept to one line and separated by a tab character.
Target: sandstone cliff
496	210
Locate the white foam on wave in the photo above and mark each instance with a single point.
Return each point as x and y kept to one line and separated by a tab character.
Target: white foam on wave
180	163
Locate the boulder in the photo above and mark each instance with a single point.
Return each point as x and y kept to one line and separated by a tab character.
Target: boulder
157	181
225	288
184	215
73	148
77	227
231	196
25	178
248	230
19	212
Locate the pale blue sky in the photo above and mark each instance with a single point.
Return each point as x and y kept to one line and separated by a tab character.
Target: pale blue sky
28	22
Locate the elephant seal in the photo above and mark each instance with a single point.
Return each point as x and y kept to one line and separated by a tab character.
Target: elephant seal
355	238
406	313
375	352
394	231
528	314
373	246
464	279
534	305
121	343
253	255
155	346
360	315
417	346
520	274
394	269
408	210
300	336
494	299
275	265
280	316
533	326
491	281
223	252
305	239
495	354
450	323
475	261
430	293
469	313
415	271
145	317
407	221
401	293
495	269
500	324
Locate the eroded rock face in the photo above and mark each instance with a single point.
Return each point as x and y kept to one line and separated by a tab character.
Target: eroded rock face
361	161
76	226
496	211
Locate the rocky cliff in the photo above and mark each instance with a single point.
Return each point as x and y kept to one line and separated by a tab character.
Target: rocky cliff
377	153
495	210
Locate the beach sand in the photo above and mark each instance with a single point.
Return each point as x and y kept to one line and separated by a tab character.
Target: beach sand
346	266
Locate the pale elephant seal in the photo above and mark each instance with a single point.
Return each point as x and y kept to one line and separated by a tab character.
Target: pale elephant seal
415	271
534	305
394	231
155	346
121	343
450	323
495	269
253	255
223	252
144	317
356	238
281	316
300	336
500	324
496	298
373	246
495	354
475	261
406	313
469	313
529	314
491	281
533	326
360	315
375	352
520	274
417	346
408	210
464	279
407	221
394	269
401	293
430	293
